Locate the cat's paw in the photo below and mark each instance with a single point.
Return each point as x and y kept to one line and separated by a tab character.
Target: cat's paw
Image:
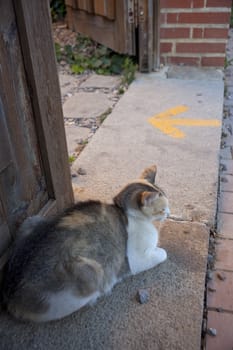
161	255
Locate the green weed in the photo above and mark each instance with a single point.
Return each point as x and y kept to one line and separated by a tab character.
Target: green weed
88	55
227	62
104	115
57	9
71	159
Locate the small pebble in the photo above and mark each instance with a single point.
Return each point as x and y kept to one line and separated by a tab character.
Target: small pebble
209	275
81	171
143	296
221	276
219	309
212	238
212	332
210	258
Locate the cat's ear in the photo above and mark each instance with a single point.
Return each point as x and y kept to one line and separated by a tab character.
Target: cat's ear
148	198
149	174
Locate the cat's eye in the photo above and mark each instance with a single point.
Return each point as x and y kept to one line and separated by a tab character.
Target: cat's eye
162	211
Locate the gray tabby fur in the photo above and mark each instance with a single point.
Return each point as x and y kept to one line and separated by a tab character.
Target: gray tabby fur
57	266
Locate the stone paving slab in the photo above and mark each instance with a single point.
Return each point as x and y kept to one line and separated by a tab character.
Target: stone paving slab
171	319
102	82
69	84
86	105
75	136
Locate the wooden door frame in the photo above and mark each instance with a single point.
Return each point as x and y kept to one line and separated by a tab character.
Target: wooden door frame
35	34
148	34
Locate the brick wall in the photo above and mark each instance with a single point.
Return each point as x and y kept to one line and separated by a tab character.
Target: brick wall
194	32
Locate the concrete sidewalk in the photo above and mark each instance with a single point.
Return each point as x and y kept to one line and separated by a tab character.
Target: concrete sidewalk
127	141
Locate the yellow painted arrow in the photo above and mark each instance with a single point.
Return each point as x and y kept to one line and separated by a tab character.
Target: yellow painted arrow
167	125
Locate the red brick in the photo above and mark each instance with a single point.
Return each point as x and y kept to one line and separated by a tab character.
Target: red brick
224	255
165	47
212	61
222	322
218	3
163	18
226	183
189	61
225	153
198	33
225	225
199	17
216	33
222	296
181	3
200	47
167	33
175	4
226	202
228	141
198	3
172	17
228	163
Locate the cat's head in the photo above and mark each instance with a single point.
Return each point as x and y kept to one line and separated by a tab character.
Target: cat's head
143	197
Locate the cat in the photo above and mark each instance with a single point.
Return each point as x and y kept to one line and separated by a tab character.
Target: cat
59	265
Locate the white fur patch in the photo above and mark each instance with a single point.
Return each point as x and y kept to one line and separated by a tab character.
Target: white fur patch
64	303
142	251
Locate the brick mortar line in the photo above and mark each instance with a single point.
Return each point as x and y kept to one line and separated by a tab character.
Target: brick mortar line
227	191
195	40
194	55
196	10
223	311
195	25
224	238
225	212
223	270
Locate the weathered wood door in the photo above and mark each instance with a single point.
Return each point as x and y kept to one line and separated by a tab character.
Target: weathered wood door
126	26
34	170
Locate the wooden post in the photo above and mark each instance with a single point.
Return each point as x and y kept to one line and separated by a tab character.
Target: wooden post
34	27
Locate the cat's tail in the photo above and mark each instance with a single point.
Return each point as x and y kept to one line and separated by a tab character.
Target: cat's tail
29	225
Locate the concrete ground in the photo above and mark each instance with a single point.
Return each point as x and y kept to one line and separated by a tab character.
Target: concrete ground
186	153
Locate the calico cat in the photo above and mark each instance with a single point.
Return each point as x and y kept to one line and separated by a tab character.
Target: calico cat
57	266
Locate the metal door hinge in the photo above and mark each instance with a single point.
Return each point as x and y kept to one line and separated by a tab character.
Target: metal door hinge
133	12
